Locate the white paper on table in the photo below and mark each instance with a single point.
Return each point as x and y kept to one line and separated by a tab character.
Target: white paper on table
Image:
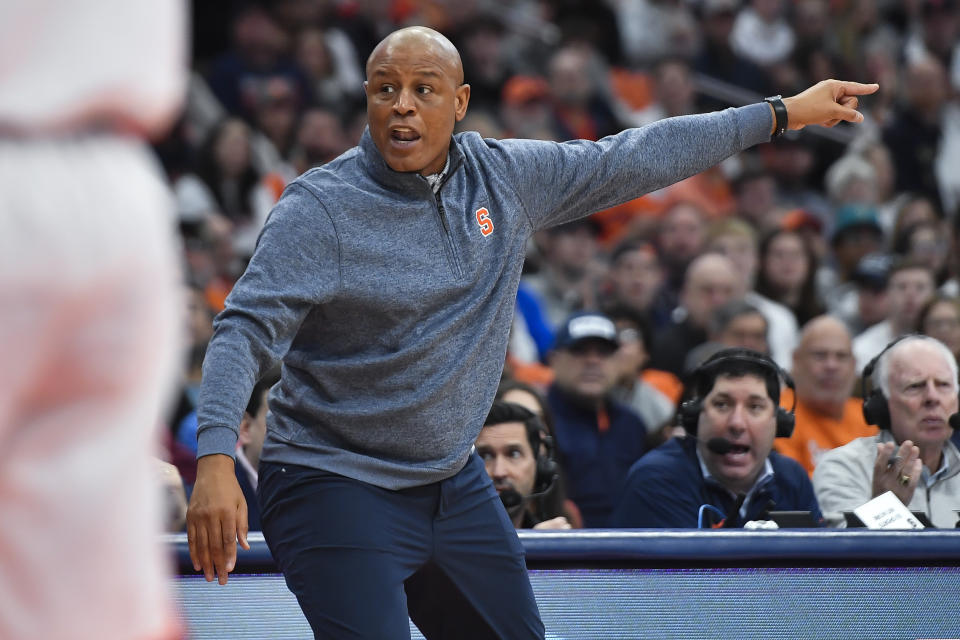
887	512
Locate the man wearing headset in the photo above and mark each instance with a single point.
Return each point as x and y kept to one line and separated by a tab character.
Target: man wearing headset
914	401
725	472
518	456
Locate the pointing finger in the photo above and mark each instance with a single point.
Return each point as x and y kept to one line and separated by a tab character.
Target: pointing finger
858	89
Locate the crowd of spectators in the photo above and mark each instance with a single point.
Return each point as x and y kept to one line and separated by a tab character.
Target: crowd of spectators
858	223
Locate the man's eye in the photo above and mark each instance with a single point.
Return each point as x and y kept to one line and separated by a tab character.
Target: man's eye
424	89
386	89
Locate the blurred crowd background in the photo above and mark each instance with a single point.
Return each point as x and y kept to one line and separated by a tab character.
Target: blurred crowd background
859	222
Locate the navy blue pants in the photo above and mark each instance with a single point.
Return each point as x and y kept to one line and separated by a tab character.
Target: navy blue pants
360	559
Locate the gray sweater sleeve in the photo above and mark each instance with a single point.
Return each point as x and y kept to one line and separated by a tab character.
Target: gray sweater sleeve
843	479
586	176
295	266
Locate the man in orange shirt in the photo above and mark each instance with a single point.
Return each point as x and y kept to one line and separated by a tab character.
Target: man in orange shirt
824	371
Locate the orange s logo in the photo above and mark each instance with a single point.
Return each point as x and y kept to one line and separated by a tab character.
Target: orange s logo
483	219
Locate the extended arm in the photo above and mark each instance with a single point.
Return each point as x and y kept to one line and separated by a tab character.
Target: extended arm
559	182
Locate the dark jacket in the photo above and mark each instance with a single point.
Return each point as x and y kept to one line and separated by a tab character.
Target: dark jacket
595	462
666	490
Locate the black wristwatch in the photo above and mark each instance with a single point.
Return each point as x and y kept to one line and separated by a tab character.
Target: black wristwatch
780	114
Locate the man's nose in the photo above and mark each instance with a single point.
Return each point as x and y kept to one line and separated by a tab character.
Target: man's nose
737	419
498	468
404	103
930	395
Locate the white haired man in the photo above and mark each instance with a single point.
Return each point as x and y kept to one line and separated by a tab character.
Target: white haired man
913	398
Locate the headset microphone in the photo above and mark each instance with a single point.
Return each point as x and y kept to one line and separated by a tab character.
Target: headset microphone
719	445
715	445
512	498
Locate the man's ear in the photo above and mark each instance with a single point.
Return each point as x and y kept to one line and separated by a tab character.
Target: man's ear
243	431
461	100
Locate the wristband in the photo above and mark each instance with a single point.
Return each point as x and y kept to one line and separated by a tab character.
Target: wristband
779	114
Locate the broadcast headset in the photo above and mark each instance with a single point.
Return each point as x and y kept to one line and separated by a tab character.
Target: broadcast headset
541	442
738	361
876	411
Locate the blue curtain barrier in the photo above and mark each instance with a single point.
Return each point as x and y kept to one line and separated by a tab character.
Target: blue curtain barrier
834	584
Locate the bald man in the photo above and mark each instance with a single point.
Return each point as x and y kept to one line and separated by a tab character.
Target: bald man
385	281
824	371
709	283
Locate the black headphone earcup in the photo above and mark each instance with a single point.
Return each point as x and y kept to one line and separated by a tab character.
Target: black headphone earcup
690	415
875	409
547	471
785	423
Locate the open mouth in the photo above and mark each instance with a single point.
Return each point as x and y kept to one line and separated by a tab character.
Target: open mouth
404	136
738	453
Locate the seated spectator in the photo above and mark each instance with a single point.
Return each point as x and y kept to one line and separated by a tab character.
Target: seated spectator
728	467
719	60
787	273
710	282
319	139
862	302
912	400
634	280
580	108
525	108
762	34
567	279
824	373
756	197
940	319
529	397
856	233
641	392
258	55
927	243
674	93
518	455
735	324
737	240
226	182
597	437
329	62
680	238
250	435
909	286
